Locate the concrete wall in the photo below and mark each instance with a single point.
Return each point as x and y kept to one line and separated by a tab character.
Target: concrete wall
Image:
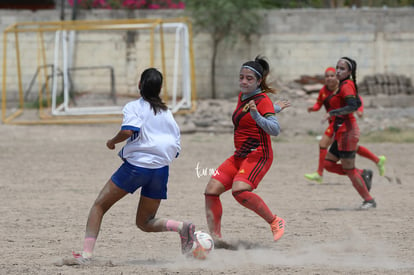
296	42
305	42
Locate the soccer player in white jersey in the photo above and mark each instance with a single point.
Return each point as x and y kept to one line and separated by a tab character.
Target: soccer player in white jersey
153	141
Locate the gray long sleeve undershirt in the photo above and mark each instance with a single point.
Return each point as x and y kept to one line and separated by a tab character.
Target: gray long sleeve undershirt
351	106
277	108
269	124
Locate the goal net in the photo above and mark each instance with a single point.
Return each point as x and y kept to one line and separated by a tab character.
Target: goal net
86	71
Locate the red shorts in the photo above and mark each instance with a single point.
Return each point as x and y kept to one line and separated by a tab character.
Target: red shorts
330	130
347	136
250	170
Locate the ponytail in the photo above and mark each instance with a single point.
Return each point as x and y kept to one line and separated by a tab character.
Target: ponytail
266	69
150	88
353	67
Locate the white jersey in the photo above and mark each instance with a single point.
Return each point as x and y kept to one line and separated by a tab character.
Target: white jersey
158	141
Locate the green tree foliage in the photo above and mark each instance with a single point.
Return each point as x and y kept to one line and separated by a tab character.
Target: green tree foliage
334	3
224	19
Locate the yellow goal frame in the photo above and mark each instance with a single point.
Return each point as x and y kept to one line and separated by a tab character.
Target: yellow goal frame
42	27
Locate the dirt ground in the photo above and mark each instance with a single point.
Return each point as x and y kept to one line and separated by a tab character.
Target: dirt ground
51	174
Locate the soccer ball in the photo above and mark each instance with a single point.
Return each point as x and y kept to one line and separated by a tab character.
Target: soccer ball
202	246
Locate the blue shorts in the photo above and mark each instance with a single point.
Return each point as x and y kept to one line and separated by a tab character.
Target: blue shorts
153	181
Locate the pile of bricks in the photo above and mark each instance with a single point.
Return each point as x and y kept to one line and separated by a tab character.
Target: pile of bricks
386	84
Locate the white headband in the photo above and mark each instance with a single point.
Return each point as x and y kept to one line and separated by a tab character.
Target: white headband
253	69
347	62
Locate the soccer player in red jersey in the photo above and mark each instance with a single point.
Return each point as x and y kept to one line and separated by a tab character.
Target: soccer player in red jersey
344	102
254	122
325	94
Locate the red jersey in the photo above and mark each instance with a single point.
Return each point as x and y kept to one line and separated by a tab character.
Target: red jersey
323	99
248	136
346	89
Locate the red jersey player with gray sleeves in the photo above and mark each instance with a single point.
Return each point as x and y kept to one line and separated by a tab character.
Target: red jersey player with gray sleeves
324	96
254	121
344	102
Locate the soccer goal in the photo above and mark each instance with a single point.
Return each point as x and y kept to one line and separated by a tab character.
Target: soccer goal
73	71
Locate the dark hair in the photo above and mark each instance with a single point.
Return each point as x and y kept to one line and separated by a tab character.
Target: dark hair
353	68
150	88
261	71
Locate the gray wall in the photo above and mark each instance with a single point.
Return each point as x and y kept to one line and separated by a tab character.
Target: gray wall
296	42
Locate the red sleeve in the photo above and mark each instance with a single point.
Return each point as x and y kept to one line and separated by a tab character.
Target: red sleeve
265	106
348	89
361	109
319	101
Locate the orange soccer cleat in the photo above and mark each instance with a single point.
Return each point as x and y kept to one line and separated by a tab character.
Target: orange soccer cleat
278	228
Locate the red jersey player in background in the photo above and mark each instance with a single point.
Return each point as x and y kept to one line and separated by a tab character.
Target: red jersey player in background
254	121
325	94
343	103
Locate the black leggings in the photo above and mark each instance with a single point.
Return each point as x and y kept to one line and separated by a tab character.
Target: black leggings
341	154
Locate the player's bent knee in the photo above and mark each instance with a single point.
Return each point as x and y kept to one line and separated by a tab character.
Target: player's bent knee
236	193
214	187
240	196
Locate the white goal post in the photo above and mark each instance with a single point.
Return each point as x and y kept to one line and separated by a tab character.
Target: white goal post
96	58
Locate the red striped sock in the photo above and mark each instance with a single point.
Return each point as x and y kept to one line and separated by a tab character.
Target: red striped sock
364	152
214	211
358	183
334	167
322	155
255	203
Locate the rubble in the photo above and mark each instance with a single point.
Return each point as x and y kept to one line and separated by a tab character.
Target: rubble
380	112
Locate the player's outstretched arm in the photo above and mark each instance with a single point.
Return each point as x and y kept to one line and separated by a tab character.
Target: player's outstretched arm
281	104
